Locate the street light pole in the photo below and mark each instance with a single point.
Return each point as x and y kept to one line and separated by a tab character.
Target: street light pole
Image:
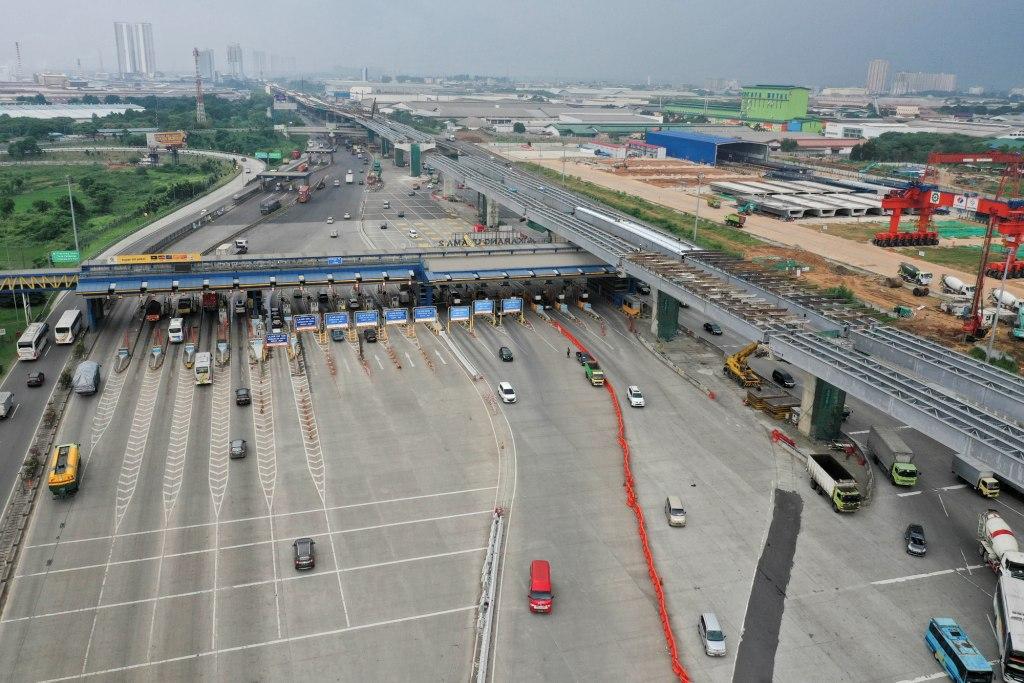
696	214
74	225
999	300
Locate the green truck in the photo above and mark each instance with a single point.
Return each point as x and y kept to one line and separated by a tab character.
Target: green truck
893	455
594	373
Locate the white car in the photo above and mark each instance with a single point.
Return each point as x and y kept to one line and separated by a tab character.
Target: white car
636	399
248	170
330	219
413	232
507	393
337	183
348	216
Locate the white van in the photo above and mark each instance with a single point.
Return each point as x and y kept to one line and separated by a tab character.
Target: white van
674	512
176	330
711	635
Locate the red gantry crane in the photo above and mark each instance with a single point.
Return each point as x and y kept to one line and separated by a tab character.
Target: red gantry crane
1005	218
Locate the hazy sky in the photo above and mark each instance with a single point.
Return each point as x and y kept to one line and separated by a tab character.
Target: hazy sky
826	42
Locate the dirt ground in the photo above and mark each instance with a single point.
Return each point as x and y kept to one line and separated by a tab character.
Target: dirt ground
827	254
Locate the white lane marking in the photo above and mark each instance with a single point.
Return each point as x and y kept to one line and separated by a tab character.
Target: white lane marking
253	544
963	555
238	586
220	428
409	358
440	357
1008	507
347	368
909	493
951	488
267	643
943	504
858	432
314	454
376	358
177	443
279	515
15	411
941	674
266	459
915	577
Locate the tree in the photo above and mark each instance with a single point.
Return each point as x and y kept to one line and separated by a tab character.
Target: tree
25	147
6	206
112	99
518	127
90	99
789	145
41	206
103	199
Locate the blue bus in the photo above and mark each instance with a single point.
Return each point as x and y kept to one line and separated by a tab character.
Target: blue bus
955	652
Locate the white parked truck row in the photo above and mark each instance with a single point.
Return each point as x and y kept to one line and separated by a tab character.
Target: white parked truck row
998	545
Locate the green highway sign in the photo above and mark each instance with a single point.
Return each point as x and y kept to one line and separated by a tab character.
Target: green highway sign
64	257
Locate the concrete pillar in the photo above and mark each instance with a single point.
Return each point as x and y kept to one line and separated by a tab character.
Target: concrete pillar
399	157
415	167
821	410
370	135
492	215
481	207
655	293
447	187
94	313
665	316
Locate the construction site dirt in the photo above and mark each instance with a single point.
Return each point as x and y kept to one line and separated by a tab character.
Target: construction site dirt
833	261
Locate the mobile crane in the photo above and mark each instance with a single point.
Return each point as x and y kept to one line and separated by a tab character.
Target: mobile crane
736	367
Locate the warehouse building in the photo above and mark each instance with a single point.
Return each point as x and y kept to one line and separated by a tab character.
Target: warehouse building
774	102
707	149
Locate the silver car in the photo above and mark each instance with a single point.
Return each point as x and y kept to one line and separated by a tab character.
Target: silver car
711	635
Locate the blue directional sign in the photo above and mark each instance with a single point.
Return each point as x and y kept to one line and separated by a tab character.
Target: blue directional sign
333	320
483	307
277	339
458	313
424	314
334	260
394	316
306	322
513	305
366	318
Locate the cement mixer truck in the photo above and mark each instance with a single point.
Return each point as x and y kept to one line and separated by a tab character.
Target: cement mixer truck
998	546
954	285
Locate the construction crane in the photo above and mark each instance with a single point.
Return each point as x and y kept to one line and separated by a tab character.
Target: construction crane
200	106
736	367
1005	219
925	197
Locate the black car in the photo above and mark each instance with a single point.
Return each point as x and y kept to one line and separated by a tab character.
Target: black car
337	334
360	181
505	354
783	378
238	449
35	379
401	214
370	335
243	396
383	226
643	288
582	357
305	553
916	543
712	328
412	193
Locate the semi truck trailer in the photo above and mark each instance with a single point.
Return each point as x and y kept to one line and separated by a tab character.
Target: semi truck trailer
831	479
893	454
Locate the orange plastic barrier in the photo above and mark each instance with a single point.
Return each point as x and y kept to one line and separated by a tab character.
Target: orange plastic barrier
641	525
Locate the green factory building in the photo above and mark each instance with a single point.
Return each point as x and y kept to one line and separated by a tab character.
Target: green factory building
775	103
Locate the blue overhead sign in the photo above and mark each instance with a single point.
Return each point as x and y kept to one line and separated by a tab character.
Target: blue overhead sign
512	305
334	260
277	339
366	318
424	314
458	313
483	307
306	322
394	316
334	320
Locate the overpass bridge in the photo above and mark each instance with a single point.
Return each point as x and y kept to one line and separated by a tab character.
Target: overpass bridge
980	413
404	141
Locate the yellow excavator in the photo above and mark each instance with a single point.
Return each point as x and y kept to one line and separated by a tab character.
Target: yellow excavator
736	367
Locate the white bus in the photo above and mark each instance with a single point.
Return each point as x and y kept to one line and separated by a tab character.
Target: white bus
204	368
1008	605
68	327
176	330
33	341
